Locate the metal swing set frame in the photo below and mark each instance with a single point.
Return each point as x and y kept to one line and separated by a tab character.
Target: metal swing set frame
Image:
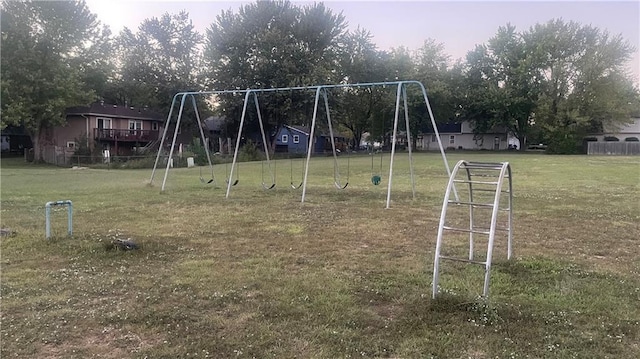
320	90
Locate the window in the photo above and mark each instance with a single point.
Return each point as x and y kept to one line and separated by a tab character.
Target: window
452	139
154	126
134	125
296	139
433	138
71	145
104	123
285	138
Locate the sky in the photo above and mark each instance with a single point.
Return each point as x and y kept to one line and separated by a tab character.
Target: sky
459	25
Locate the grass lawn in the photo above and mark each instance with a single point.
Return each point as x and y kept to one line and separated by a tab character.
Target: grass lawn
262	275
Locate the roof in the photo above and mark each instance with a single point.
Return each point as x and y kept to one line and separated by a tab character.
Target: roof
305	130
106	110
302	129
449	127
13	131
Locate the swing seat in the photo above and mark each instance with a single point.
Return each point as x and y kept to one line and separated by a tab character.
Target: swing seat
376	180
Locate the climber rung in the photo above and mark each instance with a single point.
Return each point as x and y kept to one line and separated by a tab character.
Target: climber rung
466	230
497	228
456	259
475	182
489	190
496	166
473	204
486	175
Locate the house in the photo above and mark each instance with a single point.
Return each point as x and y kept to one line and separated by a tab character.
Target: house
615	140
295	139
119	129
14	139
629	132
214	131
460	135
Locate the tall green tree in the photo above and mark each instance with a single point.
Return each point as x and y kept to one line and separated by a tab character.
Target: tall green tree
434	70
162	58
270	44
584	83
501	92
398	64
555	82
44	65
362	63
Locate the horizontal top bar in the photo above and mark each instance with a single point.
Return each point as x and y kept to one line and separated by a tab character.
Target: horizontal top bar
57	203
486	164
315	87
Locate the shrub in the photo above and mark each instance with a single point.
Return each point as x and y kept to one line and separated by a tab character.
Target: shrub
199	152
249	152
611	139
563	142
631	139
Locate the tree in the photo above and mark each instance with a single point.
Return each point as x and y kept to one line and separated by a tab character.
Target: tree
584	85
159	60
362	63
556	81
501	91
271	44
441	82
42	45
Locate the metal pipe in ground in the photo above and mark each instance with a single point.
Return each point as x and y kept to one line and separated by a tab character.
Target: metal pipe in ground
48	206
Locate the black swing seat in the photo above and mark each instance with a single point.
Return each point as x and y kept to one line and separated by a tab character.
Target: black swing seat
338	186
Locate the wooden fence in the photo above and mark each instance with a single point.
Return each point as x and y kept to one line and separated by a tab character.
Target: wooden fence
614	148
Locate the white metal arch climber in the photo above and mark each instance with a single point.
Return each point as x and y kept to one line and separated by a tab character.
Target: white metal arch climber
320	90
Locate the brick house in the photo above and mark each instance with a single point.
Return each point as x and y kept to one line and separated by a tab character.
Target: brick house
119	129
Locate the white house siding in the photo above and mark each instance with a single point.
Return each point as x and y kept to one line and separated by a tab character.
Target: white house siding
466	141
621	132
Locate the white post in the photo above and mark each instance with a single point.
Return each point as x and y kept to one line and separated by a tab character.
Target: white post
173	143
393	143
235	152
164	134
311	139
406	118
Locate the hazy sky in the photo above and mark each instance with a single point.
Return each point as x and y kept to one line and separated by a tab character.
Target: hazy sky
459	25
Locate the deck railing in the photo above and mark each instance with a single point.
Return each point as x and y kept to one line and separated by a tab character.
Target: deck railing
125	135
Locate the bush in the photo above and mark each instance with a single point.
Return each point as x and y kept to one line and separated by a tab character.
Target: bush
611	139
82	148
249	152
631	139
563	142
199	153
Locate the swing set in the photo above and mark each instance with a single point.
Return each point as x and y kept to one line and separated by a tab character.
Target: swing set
320	91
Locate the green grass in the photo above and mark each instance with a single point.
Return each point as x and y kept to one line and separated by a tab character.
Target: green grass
261	275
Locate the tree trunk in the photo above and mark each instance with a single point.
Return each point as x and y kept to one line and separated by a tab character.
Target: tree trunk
357	138
523	142
37	146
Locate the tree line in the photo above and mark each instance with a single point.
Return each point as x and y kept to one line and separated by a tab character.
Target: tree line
553	83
